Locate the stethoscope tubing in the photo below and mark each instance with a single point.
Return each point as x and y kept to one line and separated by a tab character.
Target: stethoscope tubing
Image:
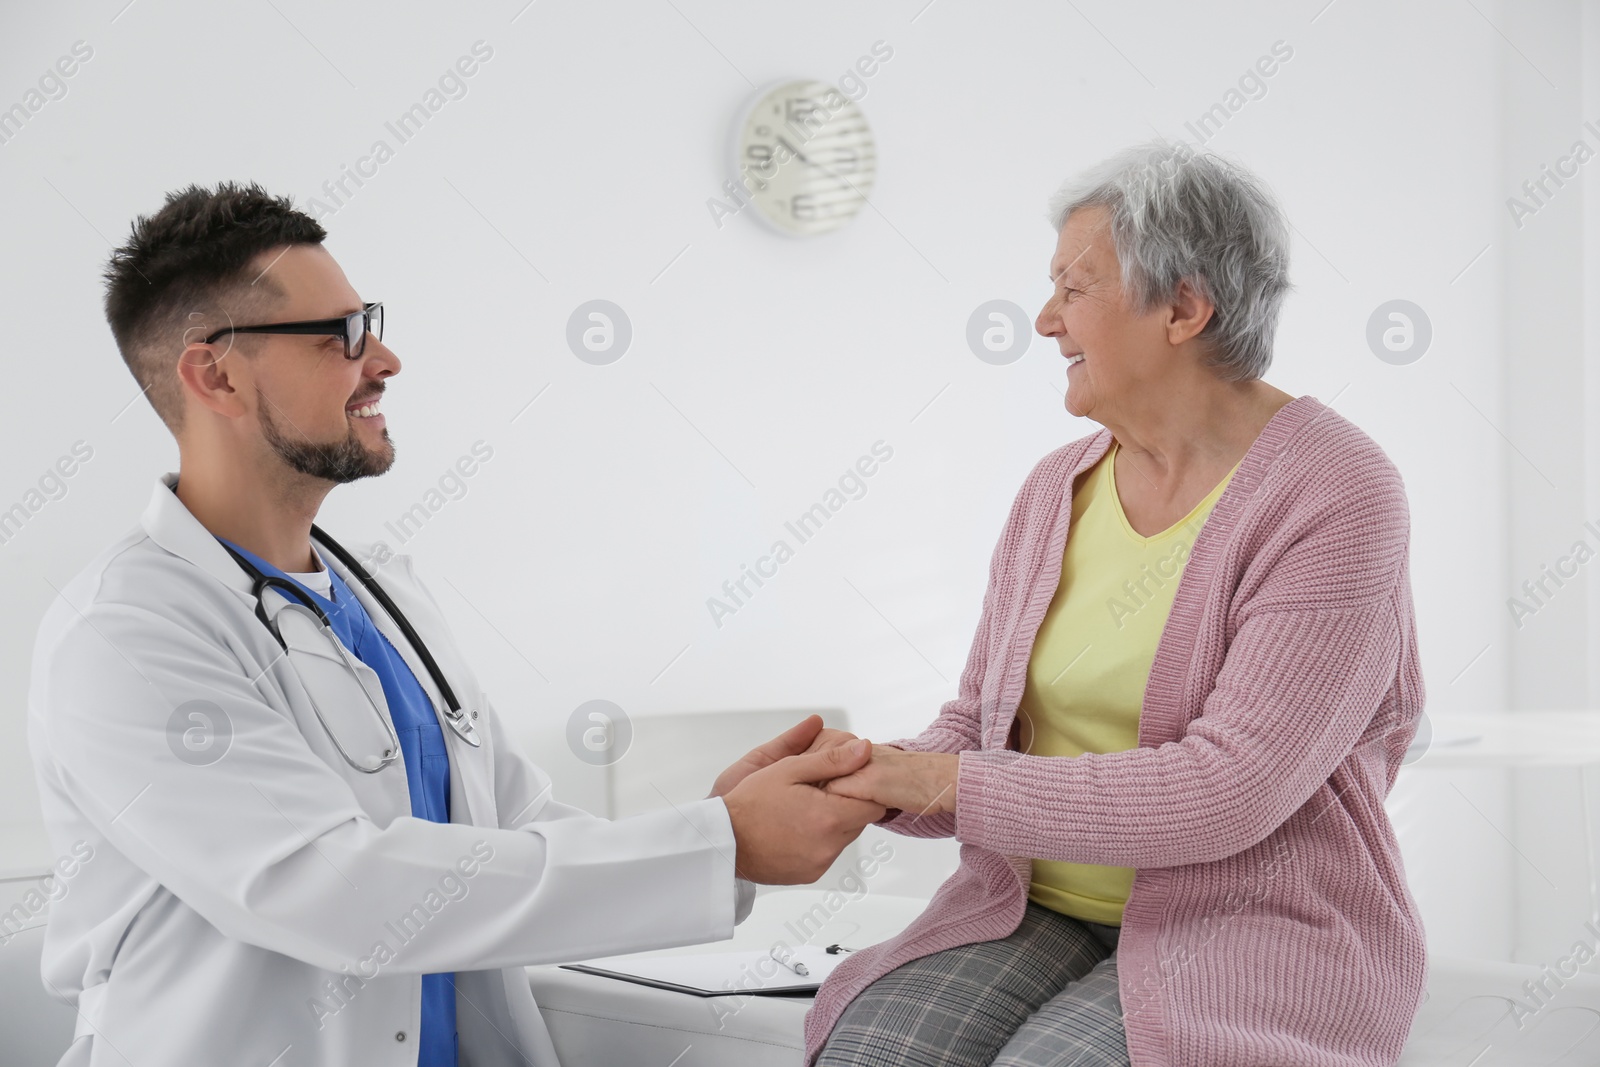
370	583
454	715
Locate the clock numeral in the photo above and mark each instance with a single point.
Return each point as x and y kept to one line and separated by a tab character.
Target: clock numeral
803	109
763	164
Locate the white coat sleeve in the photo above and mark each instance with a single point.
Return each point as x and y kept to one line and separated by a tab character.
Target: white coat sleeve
524	799
269	844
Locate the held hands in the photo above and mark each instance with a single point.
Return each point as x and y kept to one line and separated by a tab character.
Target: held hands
798	800
808	735
923	783
786	828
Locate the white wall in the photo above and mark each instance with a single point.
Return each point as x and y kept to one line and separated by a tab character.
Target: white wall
1553	415
580	560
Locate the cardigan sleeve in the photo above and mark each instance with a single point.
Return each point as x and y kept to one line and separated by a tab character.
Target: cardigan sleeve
1317	648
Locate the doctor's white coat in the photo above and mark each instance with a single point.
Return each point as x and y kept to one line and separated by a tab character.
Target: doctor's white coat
252	899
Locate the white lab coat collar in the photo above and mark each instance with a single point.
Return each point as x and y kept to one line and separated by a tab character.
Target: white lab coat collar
174	528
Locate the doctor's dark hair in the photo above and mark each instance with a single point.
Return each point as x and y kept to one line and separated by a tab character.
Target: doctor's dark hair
188	264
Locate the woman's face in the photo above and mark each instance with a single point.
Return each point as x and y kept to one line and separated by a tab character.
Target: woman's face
1124	353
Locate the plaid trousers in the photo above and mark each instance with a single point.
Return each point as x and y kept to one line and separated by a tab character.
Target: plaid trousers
1044	997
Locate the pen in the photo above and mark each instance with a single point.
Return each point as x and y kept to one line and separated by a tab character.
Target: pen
783	957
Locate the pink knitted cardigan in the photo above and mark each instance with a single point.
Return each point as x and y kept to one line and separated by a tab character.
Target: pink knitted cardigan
1269	922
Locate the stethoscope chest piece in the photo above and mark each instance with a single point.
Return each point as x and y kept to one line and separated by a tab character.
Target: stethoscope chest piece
313	649
462	725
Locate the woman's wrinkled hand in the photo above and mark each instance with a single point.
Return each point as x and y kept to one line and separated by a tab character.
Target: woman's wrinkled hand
923	783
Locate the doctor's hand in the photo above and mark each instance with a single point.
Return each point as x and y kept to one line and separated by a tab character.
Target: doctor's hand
786	829
808	735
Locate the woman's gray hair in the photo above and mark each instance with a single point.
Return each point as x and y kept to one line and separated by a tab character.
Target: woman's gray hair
1177	213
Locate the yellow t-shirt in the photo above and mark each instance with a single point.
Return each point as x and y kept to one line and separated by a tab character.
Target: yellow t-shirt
1091	659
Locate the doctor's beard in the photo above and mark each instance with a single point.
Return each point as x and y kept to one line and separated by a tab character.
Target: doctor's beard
339	462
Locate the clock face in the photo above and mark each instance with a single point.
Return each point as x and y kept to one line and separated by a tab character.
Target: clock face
805	157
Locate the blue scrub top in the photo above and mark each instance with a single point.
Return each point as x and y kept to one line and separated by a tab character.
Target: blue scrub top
427	768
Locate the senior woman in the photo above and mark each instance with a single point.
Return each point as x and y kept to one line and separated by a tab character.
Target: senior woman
1194	679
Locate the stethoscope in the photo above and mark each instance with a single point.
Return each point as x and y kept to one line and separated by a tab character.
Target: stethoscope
300	601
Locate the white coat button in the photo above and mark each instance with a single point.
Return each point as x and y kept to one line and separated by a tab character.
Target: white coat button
400	1036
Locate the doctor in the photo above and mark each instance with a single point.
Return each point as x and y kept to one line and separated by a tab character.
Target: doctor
310	840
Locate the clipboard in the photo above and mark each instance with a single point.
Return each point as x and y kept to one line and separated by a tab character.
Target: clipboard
718	974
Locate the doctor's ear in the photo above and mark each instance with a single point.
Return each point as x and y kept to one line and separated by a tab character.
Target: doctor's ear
209	376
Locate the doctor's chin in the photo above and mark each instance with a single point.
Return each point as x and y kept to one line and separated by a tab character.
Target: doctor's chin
838	544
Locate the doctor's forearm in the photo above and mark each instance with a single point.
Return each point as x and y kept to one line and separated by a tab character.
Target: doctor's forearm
565	890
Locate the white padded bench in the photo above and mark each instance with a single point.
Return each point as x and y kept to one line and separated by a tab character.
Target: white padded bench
595	1021
601	1022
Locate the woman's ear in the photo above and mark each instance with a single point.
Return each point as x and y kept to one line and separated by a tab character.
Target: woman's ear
1191	310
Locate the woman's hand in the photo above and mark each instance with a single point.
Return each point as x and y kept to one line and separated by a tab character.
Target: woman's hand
923	783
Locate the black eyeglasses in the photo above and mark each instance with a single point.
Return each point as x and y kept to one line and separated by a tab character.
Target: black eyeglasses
353	327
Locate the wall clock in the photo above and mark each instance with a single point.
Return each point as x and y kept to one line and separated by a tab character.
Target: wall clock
805	157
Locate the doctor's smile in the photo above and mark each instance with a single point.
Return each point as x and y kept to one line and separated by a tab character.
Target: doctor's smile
367	410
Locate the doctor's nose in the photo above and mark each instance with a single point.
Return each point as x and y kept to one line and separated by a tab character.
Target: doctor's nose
379	360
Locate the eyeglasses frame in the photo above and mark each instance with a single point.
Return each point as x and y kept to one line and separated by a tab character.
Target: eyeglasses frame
338	327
